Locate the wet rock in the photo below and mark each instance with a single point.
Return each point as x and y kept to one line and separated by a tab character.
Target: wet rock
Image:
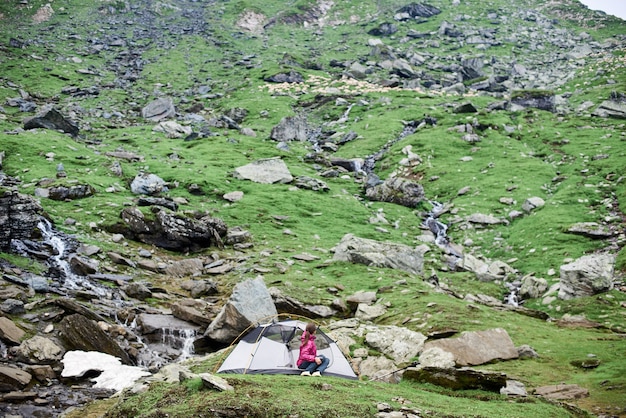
80	333
379	254
50	118
265	171
250	302
82	265
190	314
138	291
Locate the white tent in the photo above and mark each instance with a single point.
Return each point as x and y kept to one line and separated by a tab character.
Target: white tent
274	348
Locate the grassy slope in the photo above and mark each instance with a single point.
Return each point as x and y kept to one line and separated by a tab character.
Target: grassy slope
533	244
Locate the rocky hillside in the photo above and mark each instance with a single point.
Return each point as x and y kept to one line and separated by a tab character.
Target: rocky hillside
438	183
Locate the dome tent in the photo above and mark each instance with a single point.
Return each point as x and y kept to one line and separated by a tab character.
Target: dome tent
273	348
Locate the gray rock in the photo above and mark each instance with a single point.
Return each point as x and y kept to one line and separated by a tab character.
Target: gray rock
591	230
265	171
457	379
562	392
50	118
12	378
159	109
249	303
480	347
611	109
39	350
137	290
514	388
148	184
80	333
291	128
587	276
9	332
533	203
216	383
400	344
533	287
397	190
436	357
365	312
19	216
379	254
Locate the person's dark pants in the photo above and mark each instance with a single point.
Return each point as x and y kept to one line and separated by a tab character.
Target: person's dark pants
311	366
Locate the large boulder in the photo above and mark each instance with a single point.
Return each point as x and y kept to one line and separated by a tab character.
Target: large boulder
81	333
379	254
479	347
9	332
159	109
291	128
50	118
587	276
265	171
458	379
39	350
400	344
172	231
249	303
148	184
19	216
397	190
12	378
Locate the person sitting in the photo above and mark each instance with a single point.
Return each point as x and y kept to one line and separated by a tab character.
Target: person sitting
313	364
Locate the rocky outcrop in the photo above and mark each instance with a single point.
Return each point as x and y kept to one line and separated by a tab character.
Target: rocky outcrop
457	379
172	231
379	254
19	215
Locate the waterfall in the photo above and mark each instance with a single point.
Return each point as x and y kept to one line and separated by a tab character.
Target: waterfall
189	337
71	280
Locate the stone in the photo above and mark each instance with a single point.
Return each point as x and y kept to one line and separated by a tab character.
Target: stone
39	350
81	333
9	332
50	118
479	347
249	303
587	276
457	379
399	344
159	109
379	254
148	184
12	378
397	190
216	383
19	216
562	392
291	128
265	171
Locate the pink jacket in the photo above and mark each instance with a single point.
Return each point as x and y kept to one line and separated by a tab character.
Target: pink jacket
308	351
